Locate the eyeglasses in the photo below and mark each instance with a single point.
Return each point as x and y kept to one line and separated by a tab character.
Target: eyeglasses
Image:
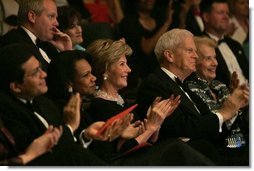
189	50
35	72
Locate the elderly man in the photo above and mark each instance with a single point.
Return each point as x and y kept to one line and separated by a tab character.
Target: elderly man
176	53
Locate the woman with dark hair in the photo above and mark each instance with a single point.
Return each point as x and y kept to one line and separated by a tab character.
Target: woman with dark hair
71	72
70	22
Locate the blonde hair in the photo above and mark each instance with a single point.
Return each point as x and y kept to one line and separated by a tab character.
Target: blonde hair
199	41
105	52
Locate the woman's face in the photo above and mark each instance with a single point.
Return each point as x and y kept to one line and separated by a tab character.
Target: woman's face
84	81
118	73
75	32
207	63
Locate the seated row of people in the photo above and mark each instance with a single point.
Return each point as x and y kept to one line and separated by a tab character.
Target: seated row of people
26	83
169	115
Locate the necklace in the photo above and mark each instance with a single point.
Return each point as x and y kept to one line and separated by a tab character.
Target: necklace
104	95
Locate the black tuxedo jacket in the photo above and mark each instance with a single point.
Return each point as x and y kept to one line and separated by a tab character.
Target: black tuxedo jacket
185	121
20	36
222	72
25	127
192	24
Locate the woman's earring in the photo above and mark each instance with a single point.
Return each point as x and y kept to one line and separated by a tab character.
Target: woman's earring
105	76
70	90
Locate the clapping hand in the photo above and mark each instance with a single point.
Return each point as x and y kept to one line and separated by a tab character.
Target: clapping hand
112	132
71	111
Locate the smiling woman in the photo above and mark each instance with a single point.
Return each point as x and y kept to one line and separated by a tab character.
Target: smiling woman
70	23
110	67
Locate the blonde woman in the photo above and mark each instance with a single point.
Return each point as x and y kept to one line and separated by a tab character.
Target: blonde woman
134	147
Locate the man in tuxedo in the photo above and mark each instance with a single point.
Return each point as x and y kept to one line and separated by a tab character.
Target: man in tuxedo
37	21
230	53
176	53
27	114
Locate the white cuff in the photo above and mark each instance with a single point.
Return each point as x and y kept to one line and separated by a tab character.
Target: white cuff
82	141
220	117
75	139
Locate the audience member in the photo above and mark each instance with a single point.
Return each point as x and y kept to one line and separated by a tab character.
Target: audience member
79	6
70	23
111	69
239	20
71	73
239	17
214	93
192	21
38	27
27	113
142	30
11	21
176	53
39	146
105	11
230	54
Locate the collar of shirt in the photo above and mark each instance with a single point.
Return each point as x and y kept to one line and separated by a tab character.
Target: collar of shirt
169	73
215	37
30	34
24	100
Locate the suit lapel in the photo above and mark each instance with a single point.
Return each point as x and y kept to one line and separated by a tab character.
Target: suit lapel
172	86
38	54
28	116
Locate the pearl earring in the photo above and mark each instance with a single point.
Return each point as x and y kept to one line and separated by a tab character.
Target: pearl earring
105	76
70	90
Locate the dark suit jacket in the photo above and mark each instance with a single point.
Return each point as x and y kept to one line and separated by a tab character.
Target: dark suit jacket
25	127
19	35
222	72
185	121
192	24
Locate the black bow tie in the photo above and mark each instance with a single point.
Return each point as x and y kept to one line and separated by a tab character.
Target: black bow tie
178	81
38	43
221	41
30	106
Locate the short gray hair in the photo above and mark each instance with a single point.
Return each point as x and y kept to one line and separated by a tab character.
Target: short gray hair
170	41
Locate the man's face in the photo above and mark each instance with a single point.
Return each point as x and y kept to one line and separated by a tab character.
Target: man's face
34	83
45	24
218	19
184	58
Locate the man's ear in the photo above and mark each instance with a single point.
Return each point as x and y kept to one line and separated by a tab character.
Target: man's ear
15	87
169	55
31	16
